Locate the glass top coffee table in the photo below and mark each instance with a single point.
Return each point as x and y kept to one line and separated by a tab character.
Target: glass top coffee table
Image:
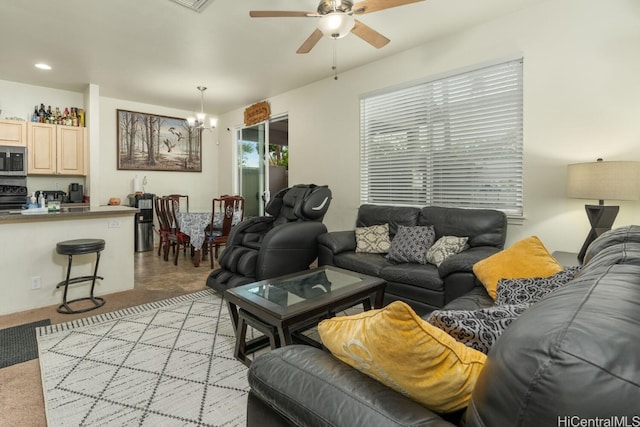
282	307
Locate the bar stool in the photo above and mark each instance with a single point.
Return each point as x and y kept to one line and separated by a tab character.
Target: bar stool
79	247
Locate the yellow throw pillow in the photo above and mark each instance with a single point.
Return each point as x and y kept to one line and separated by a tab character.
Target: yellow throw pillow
525	259
399	349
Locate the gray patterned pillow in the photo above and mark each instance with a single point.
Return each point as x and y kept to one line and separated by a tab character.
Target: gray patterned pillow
373	239
518	291
444	247
410	244
477	329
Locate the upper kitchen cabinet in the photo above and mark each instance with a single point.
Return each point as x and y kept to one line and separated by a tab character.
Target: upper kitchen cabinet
13	132
56	149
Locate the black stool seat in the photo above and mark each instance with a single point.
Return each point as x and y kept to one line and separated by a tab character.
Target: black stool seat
80	247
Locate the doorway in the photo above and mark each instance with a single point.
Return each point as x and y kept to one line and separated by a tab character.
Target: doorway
263	162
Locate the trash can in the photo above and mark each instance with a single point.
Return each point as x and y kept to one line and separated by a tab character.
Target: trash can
143	222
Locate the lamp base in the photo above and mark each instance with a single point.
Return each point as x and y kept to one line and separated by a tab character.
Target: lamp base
601	219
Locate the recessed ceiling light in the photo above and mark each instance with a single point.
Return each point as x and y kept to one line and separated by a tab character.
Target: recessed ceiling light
43	66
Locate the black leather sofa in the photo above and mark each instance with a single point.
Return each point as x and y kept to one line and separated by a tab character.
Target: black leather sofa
570	359
283	242
424	287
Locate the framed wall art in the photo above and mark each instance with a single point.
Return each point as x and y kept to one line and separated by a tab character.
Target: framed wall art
159	143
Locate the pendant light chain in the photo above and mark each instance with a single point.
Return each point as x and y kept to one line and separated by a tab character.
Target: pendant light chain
335	59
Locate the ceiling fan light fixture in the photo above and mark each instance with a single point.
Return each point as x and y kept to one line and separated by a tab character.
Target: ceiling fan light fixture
336	24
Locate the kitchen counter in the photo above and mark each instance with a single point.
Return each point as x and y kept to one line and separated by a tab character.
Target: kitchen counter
67	212
31	267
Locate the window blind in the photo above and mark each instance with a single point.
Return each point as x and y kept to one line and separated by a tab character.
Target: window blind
455	141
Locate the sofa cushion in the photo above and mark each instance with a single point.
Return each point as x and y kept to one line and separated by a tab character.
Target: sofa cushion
524	259
399	349
529	291
410	244
478	329
371	264
421	275
373	239
444	247
392	215
484	227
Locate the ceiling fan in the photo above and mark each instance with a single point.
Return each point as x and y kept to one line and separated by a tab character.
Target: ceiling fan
336	20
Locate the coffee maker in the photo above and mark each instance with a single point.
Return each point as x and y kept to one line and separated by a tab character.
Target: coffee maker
75	193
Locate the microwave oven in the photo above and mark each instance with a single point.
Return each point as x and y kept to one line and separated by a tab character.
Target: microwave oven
13	160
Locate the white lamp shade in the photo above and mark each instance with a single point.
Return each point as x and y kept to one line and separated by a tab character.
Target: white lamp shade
191	121
201	117
336	24
604	180
213	122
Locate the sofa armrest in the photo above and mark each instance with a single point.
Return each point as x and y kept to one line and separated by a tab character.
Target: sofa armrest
333	243
309	387
464	261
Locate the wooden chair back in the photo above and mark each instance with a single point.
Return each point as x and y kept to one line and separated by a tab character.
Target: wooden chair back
161	205
226	212
183	201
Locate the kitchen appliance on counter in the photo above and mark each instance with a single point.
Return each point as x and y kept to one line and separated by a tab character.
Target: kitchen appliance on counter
76	193
53	196
13	161
143	223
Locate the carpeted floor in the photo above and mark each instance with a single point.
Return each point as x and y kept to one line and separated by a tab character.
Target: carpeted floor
18	343
163	363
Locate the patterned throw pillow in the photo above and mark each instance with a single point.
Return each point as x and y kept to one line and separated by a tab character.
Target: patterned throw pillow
410	244
518	291
444	248
477	329
373	239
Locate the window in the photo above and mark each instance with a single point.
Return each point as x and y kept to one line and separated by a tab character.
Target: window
455	141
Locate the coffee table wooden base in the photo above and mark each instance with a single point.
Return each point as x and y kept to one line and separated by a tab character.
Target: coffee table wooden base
284	313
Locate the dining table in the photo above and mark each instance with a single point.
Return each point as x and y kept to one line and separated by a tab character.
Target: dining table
194	224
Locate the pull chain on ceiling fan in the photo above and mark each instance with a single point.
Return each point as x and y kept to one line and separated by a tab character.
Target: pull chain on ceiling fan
336	20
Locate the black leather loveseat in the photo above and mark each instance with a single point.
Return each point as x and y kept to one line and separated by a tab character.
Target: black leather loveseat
424	287
572	358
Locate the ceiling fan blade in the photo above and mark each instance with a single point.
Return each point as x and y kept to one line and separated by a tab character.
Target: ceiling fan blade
277	13
368	6
310	42
369	35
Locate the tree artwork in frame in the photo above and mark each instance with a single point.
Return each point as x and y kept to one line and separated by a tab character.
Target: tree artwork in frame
159	143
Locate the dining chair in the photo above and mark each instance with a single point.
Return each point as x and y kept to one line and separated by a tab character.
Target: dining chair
183	201
226	212
164	226
176	237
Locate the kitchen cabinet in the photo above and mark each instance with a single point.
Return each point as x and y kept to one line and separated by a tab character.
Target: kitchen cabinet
56	149
13	132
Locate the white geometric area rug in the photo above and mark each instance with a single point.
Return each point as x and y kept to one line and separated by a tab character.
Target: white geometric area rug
159	364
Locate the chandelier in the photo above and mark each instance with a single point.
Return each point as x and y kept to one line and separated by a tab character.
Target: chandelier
198	122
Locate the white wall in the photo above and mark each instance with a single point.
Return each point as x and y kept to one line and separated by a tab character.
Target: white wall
581	62
201	187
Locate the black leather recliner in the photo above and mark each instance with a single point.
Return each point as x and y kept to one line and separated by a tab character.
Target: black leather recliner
269	246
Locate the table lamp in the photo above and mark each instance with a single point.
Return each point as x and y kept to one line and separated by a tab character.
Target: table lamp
599	181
